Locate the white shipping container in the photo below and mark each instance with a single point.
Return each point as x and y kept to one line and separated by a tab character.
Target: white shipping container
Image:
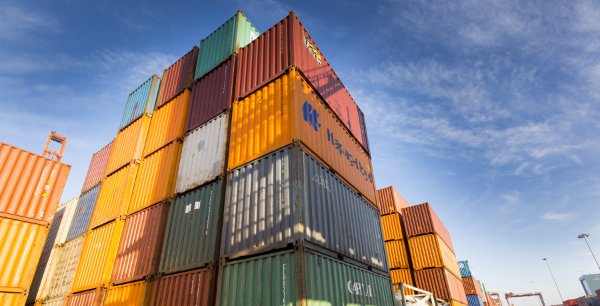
67	219
203	156
67	258
59	301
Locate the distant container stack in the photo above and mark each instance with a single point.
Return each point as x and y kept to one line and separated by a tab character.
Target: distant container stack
473	288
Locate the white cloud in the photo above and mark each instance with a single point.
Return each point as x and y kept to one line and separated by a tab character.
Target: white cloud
559	217
512	197
16	20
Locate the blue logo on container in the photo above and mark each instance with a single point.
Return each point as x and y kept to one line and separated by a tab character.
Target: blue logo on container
311	115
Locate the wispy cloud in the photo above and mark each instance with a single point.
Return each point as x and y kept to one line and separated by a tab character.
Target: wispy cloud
512	197
559	217
17	20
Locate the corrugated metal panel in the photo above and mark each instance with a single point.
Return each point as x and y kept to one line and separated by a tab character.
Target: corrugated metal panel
43	265
168	123
392	227
30	185
115	195
203	154
11	299
193	288
422	219
429	251
98	256
470	286
289	196
463	266
211	95
288	44
140	101
140	246
88	298
455	303
401	276
83	213
56	222
45	278
287	110
300	278
59	283
155	181
193	232
396	254
474	300
129	144
97	167
235	33
59	301
66	222
132	294
390	201
442	283
21	244
177	77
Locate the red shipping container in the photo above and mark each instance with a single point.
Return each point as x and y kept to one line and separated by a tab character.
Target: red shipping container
212	94
598	293
177	77
442	283
471	286
88	298
571	302
288	44
97	167
389	201
138	255
194	288
421	219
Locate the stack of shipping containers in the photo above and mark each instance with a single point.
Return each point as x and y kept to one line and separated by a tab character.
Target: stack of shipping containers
30	188
473	288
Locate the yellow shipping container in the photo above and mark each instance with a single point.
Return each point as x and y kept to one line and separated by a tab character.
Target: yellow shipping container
456	303
168	123
287	110
12	298
21	245
401	276
156	179
115	195
128	144
430	251
98	256
132	294
396	254
392	227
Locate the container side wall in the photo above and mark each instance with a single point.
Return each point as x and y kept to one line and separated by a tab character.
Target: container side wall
463	266
390	201
138	293
83	213
167	123
422	219
97	167
61	280
193	288
11	299
140	101
115	195
66	222
392	227
177	77
429	251
128	144
89	298
397	255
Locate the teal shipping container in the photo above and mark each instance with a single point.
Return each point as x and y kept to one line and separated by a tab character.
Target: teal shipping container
300	277
140	101
463	266
234	34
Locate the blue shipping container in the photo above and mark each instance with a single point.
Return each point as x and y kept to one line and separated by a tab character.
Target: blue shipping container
83	213
463	266
474	300
140	101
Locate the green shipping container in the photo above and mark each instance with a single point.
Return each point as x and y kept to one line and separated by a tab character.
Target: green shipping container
235	33
193	232
300	277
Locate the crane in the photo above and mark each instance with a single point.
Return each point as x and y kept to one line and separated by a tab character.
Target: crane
510	295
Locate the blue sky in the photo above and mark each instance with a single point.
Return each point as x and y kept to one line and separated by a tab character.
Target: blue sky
488	110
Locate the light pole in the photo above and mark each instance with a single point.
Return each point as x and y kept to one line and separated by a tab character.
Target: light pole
584	236
551	274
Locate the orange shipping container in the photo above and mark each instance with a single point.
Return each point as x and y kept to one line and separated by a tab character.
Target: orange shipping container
21	245
392	227
401	276
97	167
88	298
30	185
471	286
167	123
442	283
396	254
156	179
115	195
389	200
98	256
287	110
132	294
429	251
12	298
128	144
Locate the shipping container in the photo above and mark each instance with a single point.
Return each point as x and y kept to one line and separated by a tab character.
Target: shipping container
97	167
288	44
234	34
132	294
83	213
177	77
58	301
193	288
140	246
53	230
89	298
203	155
598	293
115	195
300	277
21	245
30	185
67	219
12	298
140	101
397	254
43	266
128	145
463	266
570	302
456	303
290	197
211	95
422	219
390	201
429	251
392	226
288	110
401	276
98	257
67	258
470	285
474	300
442	283
192	235
155	181
167	123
